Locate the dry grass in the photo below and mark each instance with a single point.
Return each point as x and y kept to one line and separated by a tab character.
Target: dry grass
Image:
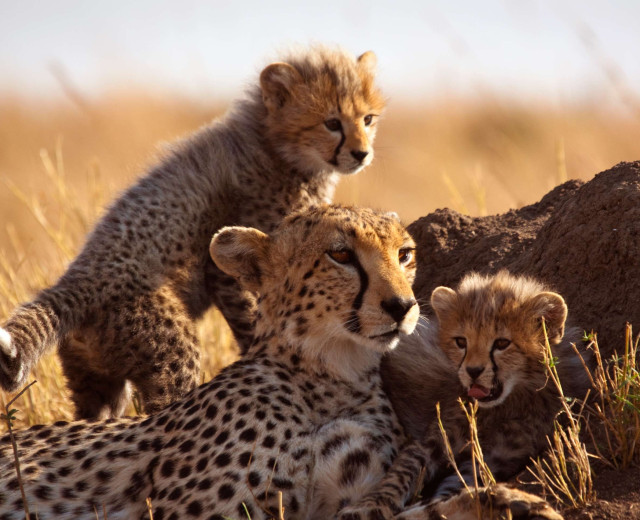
482	474
615	411
61	163
564	472
610	415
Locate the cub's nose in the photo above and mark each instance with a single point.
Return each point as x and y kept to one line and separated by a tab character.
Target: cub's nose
359	155
475	372
397	307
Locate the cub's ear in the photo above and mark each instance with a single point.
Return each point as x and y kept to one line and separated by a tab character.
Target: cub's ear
553	309
442	300
276	81
242	253
368	61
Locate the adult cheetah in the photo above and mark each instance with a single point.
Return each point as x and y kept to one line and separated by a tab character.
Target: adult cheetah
303	412
125	310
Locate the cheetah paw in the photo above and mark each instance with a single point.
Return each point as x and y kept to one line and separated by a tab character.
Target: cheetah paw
497	502
520	505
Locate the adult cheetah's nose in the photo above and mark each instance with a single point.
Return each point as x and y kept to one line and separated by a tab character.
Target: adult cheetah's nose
359	155
475	372
397	307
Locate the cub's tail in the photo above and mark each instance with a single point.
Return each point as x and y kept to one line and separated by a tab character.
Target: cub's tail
32	329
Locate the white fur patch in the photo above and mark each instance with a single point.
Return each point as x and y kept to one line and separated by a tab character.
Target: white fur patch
6	346
21	376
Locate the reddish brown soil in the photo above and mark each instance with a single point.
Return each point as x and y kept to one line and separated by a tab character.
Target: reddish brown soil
618	497
583	239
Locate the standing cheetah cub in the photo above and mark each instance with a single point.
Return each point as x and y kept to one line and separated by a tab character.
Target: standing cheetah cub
487	346
303	412
125	309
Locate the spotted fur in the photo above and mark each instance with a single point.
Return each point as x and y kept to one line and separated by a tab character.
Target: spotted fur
303	412
487	344
126	308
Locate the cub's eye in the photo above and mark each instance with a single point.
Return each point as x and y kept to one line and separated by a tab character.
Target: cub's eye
368	119
405	255
342	256
461	342
333	125
501	343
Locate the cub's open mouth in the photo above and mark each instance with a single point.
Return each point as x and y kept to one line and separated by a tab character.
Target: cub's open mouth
483	394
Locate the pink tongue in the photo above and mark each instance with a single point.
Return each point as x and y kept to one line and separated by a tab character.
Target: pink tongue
477	392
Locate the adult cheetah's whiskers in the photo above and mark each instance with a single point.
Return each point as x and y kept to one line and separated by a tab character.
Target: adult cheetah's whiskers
423	326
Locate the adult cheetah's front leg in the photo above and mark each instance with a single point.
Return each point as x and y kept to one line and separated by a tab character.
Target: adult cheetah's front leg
397	486
495	502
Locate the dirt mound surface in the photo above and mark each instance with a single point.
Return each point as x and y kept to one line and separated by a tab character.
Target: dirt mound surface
583	239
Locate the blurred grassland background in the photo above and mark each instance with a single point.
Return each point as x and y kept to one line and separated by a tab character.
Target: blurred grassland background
479	150
62	163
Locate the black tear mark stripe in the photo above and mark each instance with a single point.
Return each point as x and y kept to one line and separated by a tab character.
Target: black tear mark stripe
463	358
334	159
493	364
354	321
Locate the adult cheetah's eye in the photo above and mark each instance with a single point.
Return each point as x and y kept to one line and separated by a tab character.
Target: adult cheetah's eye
333	125
461	342
342	256
501	343
405	255
368	119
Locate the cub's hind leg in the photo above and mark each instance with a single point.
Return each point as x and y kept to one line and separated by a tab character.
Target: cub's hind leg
148	340
167	374
97	395
165	350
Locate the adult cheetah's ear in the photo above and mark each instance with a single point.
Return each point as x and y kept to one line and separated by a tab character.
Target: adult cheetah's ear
276	81
553	309
368	61
443	300
241	252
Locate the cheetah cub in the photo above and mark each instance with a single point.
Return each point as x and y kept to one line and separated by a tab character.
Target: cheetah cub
303	412
125	310
487	345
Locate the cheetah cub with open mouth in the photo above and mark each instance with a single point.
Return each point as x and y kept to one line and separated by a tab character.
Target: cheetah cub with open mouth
486	345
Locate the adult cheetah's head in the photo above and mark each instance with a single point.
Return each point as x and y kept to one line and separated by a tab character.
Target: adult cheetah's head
491	328
332	278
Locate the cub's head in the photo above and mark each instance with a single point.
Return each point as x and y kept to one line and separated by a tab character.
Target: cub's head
330	279
323	109
490	327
